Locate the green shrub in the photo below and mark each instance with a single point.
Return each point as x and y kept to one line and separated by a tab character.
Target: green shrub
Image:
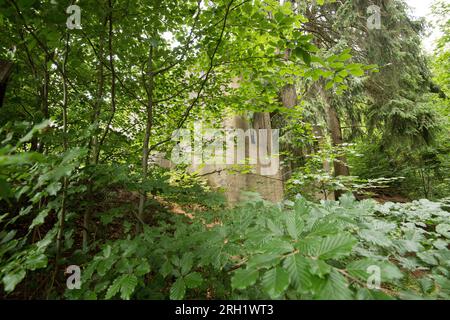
299	250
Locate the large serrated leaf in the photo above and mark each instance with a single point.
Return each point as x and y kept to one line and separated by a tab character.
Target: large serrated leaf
263	261
277	247
297	268
335	288
375	237
142	268
128	284
275	228
275	281
113	289
360	269
186	263
294	225
40	218
244	278
335	246
443	229
193	280
10	280
178	289
166	268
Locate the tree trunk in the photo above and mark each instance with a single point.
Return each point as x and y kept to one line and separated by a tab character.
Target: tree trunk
148	130
334	127
113	82
62	216
289	99
93	148
5	71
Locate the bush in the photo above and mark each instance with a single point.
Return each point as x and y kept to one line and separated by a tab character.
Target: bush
298	250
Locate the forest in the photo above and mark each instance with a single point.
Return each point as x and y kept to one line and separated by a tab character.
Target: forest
224	150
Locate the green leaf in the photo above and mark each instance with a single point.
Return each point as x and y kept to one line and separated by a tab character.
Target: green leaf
36	128
128	284
21	158
347	200
329	85
5	189
319	267
275	281
388	271
263	261
186	263
291	225
428	257
40	218
356	72
142	268
243	278
277	230
105	265
166	269
303	54
36	261
294	225
7	236
178	289
440	244
277	246
358	268
298	269
193	280
375	237
335	288
335	246
443	229
53	188
408	246
10	280
345	56
107	251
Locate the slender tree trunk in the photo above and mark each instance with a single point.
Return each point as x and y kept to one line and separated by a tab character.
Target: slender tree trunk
334	127
113	82
288	95
35	145
93	148
148	129
62	216
340	167
5	71
44	100
45	86
289	99
95	118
